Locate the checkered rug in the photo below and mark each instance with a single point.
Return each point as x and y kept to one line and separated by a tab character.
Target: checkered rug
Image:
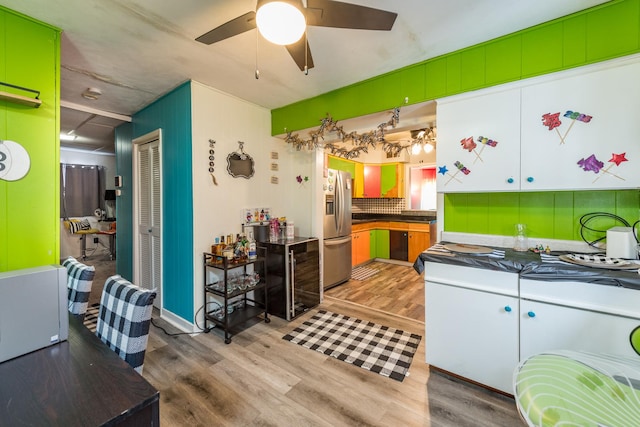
386	351
91	316
362	273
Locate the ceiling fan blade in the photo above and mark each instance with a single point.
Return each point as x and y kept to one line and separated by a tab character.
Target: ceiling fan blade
232	28
327	13
297	52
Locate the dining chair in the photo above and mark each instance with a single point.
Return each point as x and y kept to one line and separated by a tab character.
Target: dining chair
79	283
124	319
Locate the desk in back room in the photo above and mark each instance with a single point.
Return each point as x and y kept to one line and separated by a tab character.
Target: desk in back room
79	382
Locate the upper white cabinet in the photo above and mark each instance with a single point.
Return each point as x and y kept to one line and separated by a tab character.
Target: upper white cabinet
479	142
582	131
573	130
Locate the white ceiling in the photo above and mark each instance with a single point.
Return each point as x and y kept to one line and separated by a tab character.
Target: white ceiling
136	50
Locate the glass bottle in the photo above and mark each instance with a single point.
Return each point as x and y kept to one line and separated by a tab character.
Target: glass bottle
253	253
520	242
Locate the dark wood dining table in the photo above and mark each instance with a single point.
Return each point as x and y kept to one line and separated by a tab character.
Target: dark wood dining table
78	382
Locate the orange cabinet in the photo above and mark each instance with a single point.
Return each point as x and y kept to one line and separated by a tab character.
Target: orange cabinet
418	242
360	247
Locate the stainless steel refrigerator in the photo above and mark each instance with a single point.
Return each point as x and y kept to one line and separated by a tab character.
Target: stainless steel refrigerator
337	228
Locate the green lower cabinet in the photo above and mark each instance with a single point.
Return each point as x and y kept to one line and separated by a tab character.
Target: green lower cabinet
380	244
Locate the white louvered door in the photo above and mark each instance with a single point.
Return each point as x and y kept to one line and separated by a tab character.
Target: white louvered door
148	268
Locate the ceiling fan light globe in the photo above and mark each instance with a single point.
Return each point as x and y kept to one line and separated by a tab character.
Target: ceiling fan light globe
280	22
415	149
428	148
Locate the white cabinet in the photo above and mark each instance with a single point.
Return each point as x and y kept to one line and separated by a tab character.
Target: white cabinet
479	142
577	316
581	131
471	323
572	130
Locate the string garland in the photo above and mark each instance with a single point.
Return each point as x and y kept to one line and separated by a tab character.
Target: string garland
360	142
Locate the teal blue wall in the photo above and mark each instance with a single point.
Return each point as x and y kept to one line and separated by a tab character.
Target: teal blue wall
124	202
172	114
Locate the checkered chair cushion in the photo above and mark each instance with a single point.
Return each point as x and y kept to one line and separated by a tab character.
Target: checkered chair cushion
79	282
124	319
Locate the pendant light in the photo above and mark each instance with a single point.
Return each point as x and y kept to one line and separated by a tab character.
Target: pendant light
280	21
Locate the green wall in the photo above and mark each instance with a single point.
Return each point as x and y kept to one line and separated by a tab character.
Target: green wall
29	207
597	34
600	33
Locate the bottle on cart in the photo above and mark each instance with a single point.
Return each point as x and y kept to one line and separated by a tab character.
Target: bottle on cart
253	253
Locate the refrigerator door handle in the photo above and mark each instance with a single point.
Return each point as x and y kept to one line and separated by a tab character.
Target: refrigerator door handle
292	267
338	195
337	242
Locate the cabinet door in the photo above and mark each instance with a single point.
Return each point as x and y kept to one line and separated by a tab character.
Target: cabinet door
358	180
382	244
472	334
418	243
545	327
479	142
389	180
360	248
373	238
372	181
580	131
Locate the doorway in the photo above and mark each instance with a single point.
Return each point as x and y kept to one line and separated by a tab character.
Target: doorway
147	213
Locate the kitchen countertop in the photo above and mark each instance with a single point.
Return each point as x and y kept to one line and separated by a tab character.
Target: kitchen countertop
406	216
533	266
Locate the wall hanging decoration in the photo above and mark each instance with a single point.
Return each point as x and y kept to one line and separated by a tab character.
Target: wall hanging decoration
212	158
240	164
14	161
300	180
361	142
552	121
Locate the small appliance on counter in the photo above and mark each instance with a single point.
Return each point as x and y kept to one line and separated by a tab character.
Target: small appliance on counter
622	243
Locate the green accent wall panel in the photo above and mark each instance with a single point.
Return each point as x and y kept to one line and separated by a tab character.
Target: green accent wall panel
574	41
542	50
548	214
30	206
473	66
503	62
613	30
435	78
503	213
535	213
454	71
564	224
413	83
603	32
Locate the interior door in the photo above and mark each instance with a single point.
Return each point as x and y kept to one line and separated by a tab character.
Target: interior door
148	218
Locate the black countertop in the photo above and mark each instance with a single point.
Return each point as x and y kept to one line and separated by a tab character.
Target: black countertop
533	266
361	217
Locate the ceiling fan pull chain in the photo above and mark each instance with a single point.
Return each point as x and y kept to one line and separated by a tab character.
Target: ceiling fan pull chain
306	50
257	74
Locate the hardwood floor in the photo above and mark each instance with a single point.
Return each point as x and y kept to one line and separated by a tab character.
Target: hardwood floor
396	289
262	380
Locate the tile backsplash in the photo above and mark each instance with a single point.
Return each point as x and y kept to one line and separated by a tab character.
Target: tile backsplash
378	206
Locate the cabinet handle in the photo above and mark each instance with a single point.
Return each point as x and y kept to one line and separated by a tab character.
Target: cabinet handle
531	314
530	179
507	308
510	180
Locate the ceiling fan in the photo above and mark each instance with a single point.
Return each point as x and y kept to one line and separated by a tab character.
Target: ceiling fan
320	13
